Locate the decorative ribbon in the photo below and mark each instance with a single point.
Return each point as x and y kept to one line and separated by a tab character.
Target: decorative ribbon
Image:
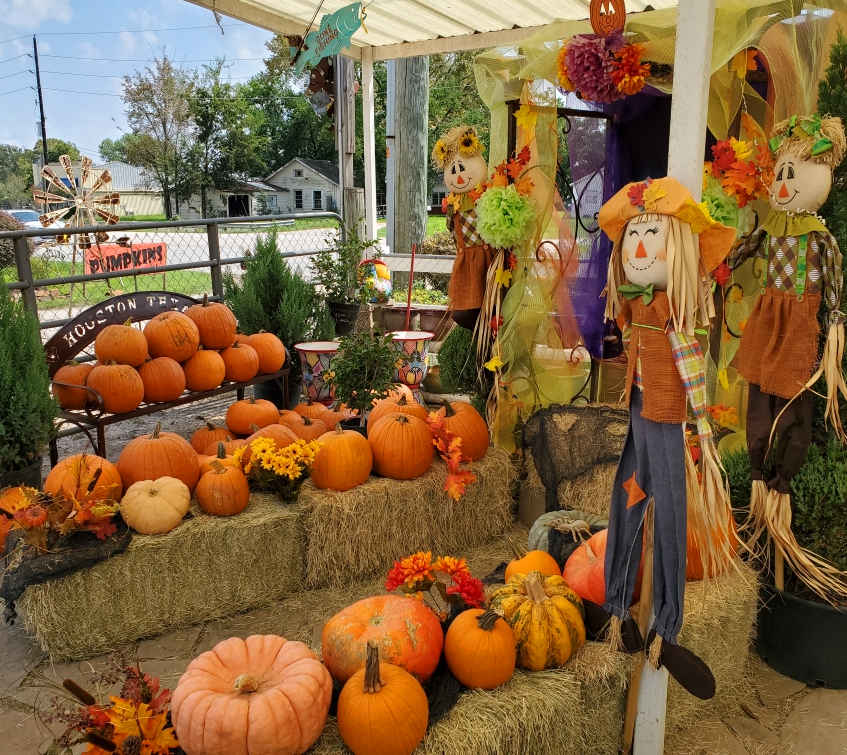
633	290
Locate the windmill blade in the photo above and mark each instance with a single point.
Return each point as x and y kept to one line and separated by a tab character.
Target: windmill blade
48	218
84	241
48	175
104	178
69	169
84	171
45	197
108	217
101	237
112	198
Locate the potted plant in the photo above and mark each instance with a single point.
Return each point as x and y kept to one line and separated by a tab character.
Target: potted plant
27	409
272	296
335	269
362	371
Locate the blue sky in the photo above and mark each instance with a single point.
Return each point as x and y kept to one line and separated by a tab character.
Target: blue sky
138	31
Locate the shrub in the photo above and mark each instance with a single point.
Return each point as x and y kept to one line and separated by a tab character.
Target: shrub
7	246
457	362
363	370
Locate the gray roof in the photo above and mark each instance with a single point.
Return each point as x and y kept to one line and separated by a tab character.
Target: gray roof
127	177
326	168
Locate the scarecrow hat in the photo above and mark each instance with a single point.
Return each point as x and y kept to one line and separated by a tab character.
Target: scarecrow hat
667	196
459	140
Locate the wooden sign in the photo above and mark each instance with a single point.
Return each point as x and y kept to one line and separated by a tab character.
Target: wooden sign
333	35
607	16
108	258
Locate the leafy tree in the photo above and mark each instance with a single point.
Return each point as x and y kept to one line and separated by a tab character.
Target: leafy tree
117	149
55	149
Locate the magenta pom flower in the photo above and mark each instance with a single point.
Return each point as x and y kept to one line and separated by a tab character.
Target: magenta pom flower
590	64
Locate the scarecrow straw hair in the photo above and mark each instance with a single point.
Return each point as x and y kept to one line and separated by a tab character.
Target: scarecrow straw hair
447	147
800	144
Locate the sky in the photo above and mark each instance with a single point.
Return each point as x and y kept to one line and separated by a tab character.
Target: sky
85	47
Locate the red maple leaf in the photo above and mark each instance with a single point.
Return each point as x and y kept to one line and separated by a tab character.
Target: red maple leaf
636	194
724	156
722	274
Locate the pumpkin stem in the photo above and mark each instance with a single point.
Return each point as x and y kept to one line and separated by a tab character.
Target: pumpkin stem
487	619
95	478
403	419
448	409
534	588
373	683
221	450
157	430
338	428
205	300
307	421
402	401
245	684
254	428
210	426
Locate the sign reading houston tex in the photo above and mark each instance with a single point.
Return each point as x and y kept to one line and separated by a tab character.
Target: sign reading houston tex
108	258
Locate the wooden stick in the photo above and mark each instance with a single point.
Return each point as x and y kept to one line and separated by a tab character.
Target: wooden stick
409	295
778	569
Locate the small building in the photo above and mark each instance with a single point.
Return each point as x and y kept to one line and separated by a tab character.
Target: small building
304	185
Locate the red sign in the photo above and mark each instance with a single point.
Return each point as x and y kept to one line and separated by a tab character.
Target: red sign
108	258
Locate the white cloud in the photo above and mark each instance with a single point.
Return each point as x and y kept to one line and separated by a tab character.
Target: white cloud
29	14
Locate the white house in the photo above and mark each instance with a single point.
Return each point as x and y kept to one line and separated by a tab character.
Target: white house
304	185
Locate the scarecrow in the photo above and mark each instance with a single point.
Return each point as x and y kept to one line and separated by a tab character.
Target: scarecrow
458	154
780	346
664	247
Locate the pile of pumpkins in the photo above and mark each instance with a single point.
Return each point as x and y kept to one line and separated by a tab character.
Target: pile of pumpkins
197	350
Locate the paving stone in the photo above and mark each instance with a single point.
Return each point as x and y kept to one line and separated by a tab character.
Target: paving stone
817	724
178	644
18	654
706	738
750	730
773	686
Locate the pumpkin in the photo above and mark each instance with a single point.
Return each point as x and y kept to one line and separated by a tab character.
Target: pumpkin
270	350
382	709
607	16
694	570
207	434
560	532
73	374
280	434
312	410
231	445
480	649
84	478
402	446
341	413
215	323
163	379
463	420
119	385
122	344
343	461
407	633
172	334
242	338
402	405
156	455
207	461
153	507
241	362
303	427
263	695
242	415
205	370
223	490
539	561
546	617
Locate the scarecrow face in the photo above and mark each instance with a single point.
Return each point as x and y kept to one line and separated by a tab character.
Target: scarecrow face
799	184
462	173
643	251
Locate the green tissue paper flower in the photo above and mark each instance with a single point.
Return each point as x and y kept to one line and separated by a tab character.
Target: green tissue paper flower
504	217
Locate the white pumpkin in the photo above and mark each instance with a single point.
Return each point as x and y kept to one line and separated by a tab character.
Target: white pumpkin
153	507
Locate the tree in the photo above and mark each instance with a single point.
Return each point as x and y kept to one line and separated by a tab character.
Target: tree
55	149
116	149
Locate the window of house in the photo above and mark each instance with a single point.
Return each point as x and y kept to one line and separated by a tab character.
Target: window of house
316	200
271	199
298	199
298	173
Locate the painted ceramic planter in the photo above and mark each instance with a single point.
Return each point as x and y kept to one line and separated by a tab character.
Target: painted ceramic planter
315	359
412	348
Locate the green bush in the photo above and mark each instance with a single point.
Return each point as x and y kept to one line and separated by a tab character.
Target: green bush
363	370
335	267
7	246
457	362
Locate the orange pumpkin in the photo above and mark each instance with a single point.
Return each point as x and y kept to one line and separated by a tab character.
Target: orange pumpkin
467	423
263	694
163	378
407	633
402	405
84	478
231	445
206	434
241	362
341	413
205	370
585	571
343	461
172	334
242	338
539	561
607	16
223	490
122	344
73	374
280	434
303	427
215	322
270	350
119	385
480	649
220	456
312	410
242	415
156	455
402	446
694	570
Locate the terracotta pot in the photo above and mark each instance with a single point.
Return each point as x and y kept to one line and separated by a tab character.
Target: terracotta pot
315	360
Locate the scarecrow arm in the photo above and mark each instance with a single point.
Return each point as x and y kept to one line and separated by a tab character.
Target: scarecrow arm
832	276
691	366
747	247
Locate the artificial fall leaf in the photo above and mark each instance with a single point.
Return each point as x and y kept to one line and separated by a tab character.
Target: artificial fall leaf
742	62
742	149
524	155
524	185
514	169
457	482
495	363
129	718
500	180
6	524
652	194
636	194
526	117
14	499
503	277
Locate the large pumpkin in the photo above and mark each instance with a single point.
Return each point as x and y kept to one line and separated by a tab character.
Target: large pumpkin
480	649
204	371
122	344
343	461
156	455
533	561
153	507
72	374
403	405
382	709
546	617
172	334
206	434
402	446
223	490
407	633
215	323
261	696
242	415
241	362
467	423
270	350
163	379
84	478
119	385
303	427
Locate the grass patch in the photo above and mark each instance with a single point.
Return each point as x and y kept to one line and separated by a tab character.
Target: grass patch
141	218
434	224
303	224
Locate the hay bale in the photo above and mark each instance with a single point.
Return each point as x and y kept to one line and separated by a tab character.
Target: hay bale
360	532
591	492
206	568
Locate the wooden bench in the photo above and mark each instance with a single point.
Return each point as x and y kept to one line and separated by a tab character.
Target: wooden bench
71	342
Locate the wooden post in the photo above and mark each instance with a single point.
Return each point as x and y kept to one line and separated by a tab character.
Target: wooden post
390	151
369	129
354	209
345	124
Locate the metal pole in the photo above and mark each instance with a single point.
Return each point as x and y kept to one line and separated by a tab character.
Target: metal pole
25	274
40	106
215	259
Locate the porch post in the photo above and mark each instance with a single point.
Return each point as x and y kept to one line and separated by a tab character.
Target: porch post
370	143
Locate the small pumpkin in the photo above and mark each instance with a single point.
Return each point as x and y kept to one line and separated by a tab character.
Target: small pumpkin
263	695
207	461
403	405
402	446
382	709
546	617
480	649
303	427
159	454
343	461
242	338
205	370
341	413
311	409
153	507
270	350
585	570
208	433
163	378
407	633
72	374
172	334
84	478
242	415
122	344
223	490
215	323
231	445
607	16
241	362
467	423
119	385
539	561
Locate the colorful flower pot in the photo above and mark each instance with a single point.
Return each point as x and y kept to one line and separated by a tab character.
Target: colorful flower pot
315	359
412	348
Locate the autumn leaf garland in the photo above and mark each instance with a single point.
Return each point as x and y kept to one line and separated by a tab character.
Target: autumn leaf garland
449	447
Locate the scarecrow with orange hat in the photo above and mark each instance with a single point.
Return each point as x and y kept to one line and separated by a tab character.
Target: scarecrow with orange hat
665	244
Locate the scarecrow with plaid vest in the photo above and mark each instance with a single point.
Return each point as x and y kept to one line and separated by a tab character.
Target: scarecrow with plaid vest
665	245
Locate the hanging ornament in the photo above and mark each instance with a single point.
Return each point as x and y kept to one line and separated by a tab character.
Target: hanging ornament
607	16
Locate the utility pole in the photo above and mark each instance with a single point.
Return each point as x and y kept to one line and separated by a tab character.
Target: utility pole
40	105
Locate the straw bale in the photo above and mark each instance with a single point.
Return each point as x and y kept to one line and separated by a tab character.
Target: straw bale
360	532
205	568
589	492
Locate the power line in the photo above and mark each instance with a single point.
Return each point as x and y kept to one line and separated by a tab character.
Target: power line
15	57
12	91
144	60
117	31
16	73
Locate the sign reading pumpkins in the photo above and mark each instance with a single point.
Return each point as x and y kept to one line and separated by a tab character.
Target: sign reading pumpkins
107	258
333	35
